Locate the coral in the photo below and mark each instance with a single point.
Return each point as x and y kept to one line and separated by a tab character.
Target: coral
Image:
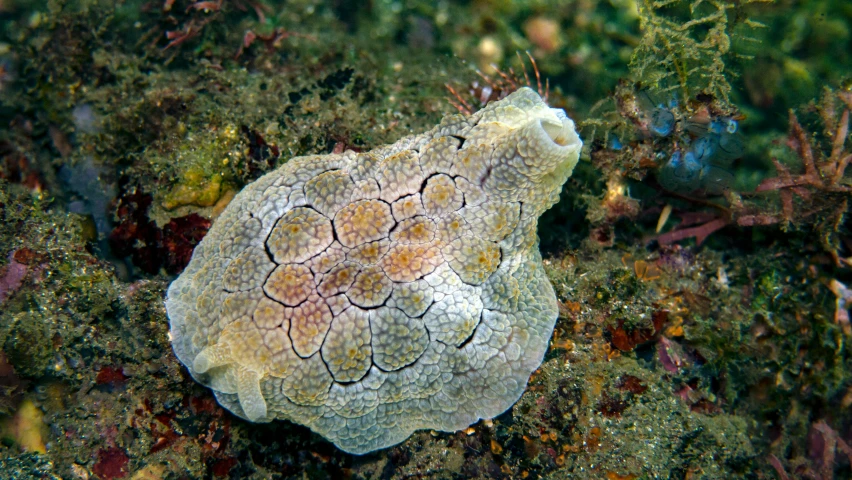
341	291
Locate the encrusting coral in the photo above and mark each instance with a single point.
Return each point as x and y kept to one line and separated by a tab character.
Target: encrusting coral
368	295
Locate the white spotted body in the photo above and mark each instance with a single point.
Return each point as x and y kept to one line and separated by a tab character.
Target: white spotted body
368	295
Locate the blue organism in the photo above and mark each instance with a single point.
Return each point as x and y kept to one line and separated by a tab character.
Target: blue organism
680	173
724	125
697	152
719	140
714	180
662	121
704	148
614	143
696	170
713	147
659	113
726	134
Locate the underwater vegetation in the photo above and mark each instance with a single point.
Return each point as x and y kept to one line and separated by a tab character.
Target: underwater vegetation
148	246
699	253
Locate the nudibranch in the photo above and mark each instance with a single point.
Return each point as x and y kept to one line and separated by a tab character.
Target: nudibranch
369	295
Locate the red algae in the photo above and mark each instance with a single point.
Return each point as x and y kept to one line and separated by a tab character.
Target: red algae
11	278
626	339
180	236
111	375
11	386
150	247
222	467
631	384
112	463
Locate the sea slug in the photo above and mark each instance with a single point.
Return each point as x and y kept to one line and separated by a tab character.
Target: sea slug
368	295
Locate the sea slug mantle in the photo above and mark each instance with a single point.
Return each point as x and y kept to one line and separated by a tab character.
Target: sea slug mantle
368	295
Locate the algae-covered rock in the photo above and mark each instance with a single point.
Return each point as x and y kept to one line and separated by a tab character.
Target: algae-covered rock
28	343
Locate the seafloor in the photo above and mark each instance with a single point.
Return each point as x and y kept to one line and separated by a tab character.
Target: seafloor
703	329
